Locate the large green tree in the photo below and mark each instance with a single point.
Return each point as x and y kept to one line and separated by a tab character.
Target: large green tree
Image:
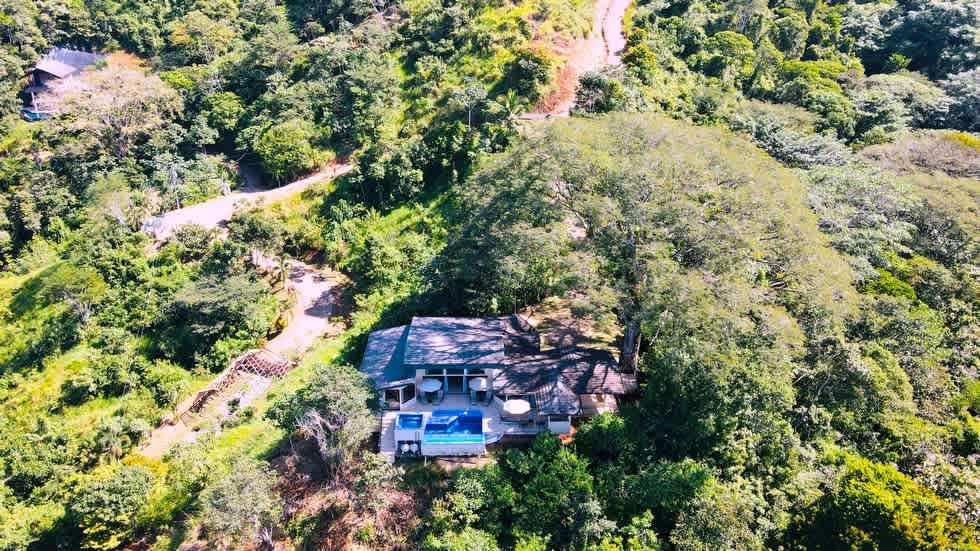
873	506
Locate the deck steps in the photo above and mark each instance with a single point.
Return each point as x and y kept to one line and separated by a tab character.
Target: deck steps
386	443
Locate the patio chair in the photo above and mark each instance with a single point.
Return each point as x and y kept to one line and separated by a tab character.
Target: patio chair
477	400
440	395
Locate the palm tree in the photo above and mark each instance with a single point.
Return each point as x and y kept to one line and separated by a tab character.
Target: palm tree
113	439
512	105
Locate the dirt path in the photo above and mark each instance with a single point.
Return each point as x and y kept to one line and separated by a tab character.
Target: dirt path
317	302
602	46
219	210
317	295
315	291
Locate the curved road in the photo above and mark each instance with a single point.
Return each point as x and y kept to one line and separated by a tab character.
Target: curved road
315	292
219	210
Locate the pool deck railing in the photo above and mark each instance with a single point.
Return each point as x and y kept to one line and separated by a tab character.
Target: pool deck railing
493	426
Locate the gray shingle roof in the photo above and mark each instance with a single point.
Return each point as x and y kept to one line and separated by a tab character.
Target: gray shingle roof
557	399
582	371
555	378
384	356
591	371
455	342
525	374
62	62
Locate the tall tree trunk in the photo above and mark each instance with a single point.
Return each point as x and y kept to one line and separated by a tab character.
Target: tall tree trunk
629	355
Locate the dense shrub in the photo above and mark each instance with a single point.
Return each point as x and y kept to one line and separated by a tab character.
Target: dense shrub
286	149
105	508
794	148
964	92
210	320
598	93
242	507
530	72
465	540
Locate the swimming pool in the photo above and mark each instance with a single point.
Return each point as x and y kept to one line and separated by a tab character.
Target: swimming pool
454	426
409	421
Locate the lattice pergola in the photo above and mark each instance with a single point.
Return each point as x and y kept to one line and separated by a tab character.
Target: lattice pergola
262	362
259	362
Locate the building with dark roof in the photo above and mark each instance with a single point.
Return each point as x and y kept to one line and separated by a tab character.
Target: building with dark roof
61	63
58	64
504	351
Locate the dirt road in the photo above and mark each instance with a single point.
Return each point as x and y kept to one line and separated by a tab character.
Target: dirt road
219	210
317	301
602	46
316	295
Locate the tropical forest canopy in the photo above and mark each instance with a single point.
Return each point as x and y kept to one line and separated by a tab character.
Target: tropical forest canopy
780	200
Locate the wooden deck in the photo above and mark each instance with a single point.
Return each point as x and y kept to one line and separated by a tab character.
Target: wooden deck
493	425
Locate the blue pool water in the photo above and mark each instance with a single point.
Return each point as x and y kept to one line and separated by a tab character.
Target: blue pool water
410	421
454	426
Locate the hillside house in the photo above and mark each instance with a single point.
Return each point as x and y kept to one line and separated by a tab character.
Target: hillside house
494	365
57	65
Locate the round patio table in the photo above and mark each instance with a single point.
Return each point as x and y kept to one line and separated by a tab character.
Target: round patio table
478	384
431	385
517	407
429	388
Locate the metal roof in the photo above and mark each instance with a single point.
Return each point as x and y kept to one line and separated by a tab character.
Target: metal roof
63	62
508	344
384	356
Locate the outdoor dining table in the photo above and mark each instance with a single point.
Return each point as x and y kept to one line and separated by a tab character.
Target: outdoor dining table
429	386
478	384
518	410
